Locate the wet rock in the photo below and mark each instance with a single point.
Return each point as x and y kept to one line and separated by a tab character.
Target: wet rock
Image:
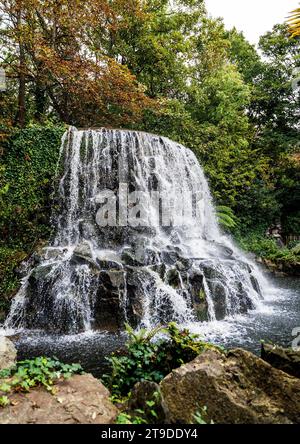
129	258
109	260
40	272
43	311
83	253
237	388
151	257
173	278
218	294
199	301
223	251
285	359
106	264
256	286
109	305
8	353
170	257
81	399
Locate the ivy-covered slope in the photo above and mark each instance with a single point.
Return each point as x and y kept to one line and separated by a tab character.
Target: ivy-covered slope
27	169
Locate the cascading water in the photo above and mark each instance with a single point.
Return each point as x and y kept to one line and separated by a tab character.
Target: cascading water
135	240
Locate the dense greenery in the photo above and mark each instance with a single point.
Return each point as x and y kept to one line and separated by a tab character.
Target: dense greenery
146	359
267	248
150	65
31	373
150	356
26	183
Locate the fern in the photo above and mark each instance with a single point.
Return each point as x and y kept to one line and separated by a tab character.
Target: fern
226	217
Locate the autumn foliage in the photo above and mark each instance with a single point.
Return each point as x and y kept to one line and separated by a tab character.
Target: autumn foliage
62	54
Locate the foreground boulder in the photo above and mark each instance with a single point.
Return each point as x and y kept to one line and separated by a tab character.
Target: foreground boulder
81	399
236	388
285	359
8	353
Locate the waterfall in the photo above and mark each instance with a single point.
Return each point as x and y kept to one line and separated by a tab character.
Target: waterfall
135	239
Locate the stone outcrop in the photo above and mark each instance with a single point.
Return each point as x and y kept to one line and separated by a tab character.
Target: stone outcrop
81	399
236	388
285	359
8	353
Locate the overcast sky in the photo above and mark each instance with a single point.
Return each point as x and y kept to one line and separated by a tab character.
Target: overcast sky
253	17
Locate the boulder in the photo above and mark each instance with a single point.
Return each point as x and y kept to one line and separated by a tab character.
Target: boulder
8	353
236	388
82	254
285	359
81	399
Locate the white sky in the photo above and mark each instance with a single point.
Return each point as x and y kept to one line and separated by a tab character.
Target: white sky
253	17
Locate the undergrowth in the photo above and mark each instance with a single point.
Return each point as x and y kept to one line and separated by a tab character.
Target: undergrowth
31	373
146	359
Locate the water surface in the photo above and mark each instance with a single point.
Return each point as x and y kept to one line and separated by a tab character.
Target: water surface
273	321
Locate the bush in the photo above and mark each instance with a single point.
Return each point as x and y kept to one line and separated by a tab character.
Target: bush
150	360
267	248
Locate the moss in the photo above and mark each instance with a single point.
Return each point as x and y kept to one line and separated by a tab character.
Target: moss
201	295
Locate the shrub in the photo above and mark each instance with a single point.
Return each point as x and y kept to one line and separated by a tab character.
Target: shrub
146	359
30	373
268	249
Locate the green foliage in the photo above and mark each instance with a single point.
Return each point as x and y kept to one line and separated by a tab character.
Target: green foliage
30	373
126	418
201	415
10	259
27	170
29	160
4	401
226	217
150	360
268	249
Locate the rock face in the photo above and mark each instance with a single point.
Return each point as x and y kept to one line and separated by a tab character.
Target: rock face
237	388
8	353
284	359
81	399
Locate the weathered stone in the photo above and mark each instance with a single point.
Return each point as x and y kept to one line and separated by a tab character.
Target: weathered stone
129	258
81	399
236	388
285	359
109	260
223	250
199	301
83	253
109	313
8	353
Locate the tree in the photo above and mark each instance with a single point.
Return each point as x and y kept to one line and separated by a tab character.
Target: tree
57	57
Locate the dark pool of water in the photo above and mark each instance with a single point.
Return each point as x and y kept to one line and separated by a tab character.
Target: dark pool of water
273	321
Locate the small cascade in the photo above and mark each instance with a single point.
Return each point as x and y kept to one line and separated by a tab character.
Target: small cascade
135	240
